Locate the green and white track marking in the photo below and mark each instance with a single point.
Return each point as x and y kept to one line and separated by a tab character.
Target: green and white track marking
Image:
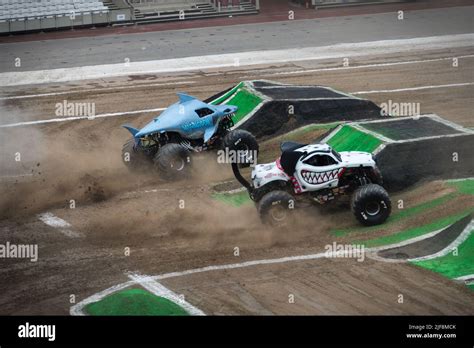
246	98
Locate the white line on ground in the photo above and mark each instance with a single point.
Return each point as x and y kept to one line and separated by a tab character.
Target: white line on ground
463	84
75	118
467	279
63	226
231	192
365	66
77	309
252	263
96	90
373	251
460	179
368	131
6	177
159	290
229	60
454	244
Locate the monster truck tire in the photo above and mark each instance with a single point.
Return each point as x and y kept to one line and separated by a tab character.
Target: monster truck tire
134	159
275	208
371	204
173	162
241	140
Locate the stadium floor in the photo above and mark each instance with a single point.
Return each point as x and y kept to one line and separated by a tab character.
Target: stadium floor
79	159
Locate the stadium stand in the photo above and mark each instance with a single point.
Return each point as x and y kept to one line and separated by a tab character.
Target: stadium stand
33	15
151	11
37	15
10	9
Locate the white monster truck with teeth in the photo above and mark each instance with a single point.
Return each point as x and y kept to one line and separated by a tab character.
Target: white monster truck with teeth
317	173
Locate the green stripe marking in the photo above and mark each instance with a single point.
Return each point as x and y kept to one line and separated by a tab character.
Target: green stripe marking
134	302
227	94
351	139
246	102
451	265
463	186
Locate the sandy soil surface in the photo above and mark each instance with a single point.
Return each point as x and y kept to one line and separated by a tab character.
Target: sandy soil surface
80	161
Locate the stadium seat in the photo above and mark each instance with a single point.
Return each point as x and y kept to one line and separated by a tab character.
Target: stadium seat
32	9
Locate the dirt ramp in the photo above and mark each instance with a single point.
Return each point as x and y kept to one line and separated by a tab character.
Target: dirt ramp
268	108
281	116
410	149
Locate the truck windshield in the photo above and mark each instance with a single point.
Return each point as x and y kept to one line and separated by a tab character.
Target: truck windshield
337	155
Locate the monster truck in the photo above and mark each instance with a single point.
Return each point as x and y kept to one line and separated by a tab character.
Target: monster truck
317	173
186	127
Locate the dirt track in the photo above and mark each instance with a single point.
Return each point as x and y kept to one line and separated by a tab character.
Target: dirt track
80	160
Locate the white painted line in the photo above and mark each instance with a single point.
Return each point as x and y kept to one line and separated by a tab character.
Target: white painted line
231	192
332	133
159	290
460	179
463	84
394	118
371	252
78	308
6	177
63	226
252	263
310	99
379	149
468	277
369	132
451	124
408	241
75	118
249	115
134	194
365	66
228	60
432	137
454	244
95	90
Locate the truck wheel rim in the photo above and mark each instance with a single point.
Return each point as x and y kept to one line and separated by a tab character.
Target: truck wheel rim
372	208
178	164
278	214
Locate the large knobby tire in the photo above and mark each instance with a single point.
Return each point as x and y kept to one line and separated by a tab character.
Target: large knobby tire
173	162
245	145
371	204
133	158
276	208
